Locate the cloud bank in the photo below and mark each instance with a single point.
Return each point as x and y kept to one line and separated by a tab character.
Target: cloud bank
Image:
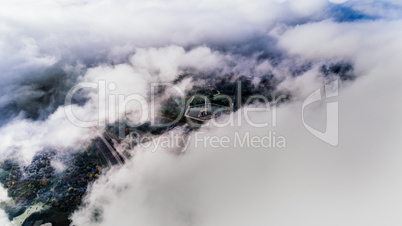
47	47
308	182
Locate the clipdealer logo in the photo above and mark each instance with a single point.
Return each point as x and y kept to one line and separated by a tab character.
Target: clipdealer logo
331	133
108	106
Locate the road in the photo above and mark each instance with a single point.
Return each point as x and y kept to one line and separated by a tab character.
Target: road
111	155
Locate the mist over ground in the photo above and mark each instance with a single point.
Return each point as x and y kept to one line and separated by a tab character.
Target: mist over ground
48	47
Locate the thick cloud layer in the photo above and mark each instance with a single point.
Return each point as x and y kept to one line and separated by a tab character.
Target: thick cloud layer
306	183
3	217
47	47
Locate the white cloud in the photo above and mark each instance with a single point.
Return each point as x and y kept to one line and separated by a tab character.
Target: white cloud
338	1
308	182
146	66
133	43
25	138
3	216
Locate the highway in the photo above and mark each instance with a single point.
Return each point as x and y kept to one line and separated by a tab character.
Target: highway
111	155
